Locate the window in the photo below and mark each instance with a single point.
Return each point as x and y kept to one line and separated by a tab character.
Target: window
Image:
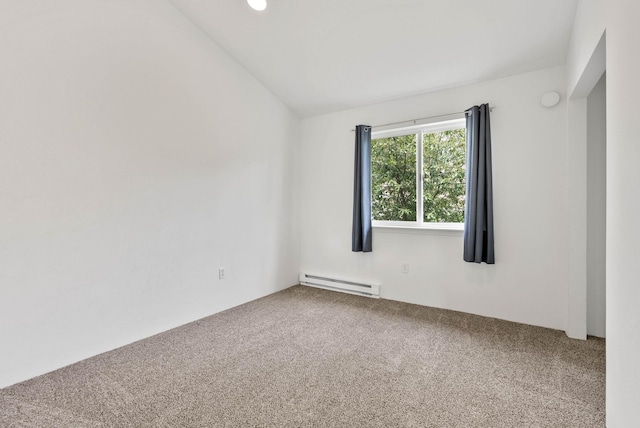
418	175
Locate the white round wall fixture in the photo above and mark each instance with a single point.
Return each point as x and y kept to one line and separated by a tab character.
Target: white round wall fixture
550	99
258	4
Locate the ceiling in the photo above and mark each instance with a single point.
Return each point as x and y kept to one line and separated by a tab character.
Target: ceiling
329	55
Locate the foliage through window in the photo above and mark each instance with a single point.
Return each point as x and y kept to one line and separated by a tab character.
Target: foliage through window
434	195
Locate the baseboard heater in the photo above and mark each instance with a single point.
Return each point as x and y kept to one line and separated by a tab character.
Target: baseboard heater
350	287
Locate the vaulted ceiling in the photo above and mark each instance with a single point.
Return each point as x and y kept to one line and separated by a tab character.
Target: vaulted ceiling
328	55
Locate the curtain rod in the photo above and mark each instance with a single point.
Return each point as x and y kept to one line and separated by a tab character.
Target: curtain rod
422	118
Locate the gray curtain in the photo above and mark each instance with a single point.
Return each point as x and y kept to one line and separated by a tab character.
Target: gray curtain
361	231
478	218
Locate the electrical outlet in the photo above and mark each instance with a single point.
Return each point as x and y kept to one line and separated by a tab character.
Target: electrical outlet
405	267
221	273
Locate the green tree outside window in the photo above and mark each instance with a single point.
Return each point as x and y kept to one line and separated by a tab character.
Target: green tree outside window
393	171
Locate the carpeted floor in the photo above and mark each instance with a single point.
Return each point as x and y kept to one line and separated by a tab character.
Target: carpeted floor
312	358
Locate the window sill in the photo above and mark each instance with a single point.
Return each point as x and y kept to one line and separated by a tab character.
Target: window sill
452	229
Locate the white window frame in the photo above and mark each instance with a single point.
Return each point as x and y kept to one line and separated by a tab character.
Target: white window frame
419	130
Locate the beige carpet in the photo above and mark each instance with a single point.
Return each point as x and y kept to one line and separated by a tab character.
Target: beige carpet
312	358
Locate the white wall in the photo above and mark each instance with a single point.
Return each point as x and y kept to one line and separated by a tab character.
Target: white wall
623	205
586	62
588	26
596	209
528	283
135	159
619	18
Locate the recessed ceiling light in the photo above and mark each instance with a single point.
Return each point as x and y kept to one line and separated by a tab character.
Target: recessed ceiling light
258	4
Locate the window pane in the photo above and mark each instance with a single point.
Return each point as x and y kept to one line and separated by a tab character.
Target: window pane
444	176
393	178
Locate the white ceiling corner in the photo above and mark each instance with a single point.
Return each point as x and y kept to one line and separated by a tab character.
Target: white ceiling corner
324	56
